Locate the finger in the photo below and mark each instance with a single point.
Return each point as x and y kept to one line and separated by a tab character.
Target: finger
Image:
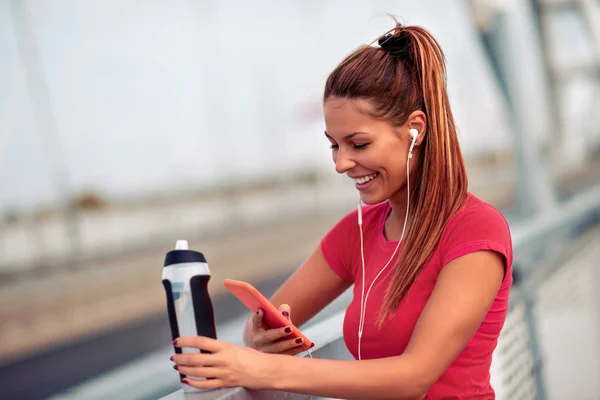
194	359
204	383
199	372
286	311
271	335
282	346
199	342
257	321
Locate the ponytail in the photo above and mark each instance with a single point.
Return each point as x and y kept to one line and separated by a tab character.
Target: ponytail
441	177
408	73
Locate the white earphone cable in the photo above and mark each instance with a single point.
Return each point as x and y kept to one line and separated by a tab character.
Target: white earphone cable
362	256
363	299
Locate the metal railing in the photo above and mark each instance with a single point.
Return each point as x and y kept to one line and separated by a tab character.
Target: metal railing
549	250
529	359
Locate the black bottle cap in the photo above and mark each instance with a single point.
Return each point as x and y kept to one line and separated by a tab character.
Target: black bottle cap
183	256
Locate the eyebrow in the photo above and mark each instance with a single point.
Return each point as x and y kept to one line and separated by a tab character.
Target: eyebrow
349	136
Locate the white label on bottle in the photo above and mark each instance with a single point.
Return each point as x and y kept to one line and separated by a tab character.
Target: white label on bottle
184	272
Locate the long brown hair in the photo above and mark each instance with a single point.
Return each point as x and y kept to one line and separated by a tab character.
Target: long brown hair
397	80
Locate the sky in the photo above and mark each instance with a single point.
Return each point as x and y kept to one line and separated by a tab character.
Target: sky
150	96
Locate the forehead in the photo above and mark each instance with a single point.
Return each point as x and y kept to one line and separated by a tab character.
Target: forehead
343	116
346	116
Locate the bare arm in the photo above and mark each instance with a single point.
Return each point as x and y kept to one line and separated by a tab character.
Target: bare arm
464	292
307	291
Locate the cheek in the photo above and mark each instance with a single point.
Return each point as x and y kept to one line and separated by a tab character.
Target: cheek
392	164
394	168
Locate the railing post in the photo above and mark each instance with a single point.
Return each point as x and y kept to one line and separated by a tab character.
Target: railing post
529	298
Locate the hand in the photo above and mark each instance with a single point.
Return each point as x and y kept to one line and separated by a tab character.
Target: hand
227	364
272	340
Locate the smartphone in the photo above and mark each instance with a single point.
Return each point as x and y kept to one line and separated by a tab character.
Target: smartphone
272	317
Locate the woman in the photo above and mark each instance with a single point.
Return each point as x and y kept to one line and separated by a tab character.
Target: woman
431	263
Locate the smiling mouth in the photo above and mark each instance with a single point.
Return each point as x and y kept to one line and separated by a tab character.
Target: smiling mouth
365	179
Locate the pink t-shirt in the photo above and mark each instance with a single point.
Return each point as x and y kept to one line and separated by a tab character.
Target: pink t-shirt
476	226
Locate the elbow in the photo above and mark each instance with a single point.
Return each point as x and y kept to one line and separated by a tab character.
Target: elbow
419	386
421	393
417	392
410	395
422	384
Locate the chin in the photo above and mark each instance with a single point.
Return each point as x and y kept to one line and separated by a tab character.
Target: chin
370	199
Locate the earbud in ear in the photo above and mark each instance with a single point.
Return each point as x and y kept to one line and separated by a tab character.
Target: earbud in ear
414	133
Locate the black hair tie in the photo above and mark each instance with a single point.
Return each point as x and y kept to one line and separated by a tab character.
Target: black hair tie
395	44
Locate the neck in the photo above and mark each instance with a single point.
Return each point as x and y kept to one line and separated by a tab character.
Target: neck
395	221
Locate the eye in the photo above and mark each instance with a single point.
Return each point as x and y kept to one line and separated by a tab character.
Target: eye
360	146
333	146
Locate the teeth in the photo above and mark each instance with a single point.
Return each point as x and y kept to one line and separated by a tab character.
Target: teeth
364	179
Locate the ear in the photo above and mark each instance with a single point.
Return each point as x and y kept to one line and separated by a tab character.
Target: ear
416	120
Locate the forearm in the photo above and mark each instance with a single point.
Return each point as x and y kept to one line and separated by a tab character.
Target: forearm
387	378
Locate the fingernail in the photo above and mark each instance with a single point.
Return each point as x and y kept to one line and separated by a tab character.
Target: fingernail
175	342
299	340
286	314
185	381
288	330
175	367
171	358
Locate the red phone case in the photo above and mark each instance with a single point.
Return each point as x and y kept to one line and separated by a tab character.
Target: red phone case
253	299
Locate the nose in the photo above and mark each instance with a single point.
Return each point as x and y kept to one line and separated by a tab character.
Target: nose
343	162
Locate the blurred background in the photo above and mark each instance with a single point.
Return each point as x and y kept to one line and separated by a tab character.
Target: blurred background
125	126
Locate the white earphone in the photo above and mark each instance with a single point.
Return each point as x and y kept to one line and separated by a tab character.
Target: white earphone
363	300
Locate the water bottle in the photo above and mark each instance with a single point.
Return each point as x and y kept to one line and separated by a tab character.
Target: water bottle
185	279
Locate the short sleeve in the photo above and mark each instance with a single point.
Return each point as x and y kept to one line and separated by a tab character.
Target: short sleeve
480	227
338	246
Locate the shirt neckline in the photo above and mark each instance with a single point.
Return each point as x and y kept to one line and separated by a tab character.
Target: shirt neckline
387	209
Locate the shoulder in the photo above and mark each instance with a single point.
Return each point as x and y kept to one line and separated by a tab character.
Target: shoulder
478	215
476	226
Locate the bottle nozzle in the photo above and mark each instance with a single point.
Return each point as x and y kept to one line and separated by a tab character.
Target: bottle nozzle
181	245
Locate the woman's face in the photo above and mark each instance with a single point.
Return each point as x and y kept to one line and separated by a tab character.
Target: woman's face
370	151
